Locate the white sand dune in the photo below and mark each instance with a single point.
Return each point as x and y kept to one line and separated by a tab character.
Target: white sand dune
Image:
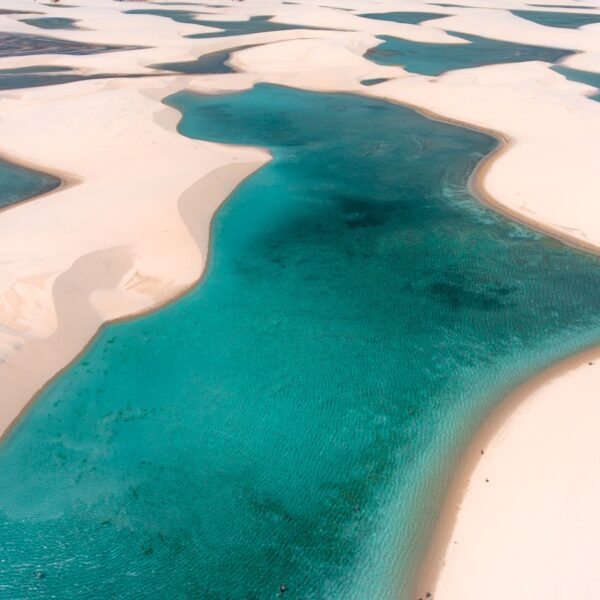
129	230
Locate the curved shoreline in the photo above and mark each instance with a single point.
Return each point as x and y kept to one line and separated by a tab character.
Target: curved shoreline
220	176
433	562
65	180
492	423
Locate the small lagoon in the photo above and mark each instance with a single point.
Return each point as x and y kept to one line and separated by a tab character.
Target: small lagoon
558	19
435	59
19	183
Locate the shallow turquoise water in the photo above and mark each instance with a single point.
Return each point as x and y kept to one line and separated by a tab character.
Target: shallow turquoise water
435	59
412	18
52	23
18	183
587	77
557	19
292	420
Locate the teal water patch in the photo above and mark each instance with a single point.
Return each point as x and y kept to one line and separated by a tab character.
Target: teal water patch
573	6
586	77
44	75
213	63
18	183
21	44
435	59
291	421
412	18
375	81
52	23
557	19
257	24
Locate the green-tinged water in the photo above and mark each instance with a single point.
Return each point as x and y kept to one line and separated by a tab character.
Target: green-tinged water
18	183
294	419
558	19
435	59
587	77
412	18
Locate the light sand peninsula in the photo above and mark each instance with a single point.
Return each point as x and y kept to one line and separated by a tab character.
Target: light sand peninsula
130	232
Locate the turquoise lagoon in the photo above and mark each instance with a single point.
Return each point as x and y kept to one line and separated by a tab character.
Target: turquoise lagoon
295	418
19	183
435	59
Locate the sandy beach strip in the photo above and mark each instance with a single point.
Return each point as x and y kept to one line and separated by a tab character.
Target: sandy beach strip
522	519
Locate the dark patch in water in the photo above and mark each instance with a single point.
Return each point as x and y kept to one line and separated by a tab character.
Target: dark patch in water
22	44
375	81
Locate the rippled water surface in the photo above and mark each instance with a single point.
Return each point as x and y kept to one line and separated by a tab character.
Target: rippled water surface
21	44
291	422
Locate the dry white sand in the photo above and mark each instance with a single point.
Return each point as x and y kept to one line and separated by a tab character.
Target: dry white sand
529	523
130	231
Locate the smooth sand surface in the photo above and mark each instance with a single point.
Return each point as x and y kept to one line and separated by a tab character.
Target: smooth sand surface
529	523
130	231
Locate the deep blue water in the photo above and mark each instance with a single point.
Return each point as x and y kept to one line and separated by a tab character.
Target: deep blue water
52	22
435	59
587	77
18	183
412	18
557	19
292	420
42	75
21	44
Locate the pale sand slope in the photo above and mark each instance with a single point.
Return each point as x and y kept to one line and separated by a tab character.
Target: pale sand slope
529	524
128	198
132	234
